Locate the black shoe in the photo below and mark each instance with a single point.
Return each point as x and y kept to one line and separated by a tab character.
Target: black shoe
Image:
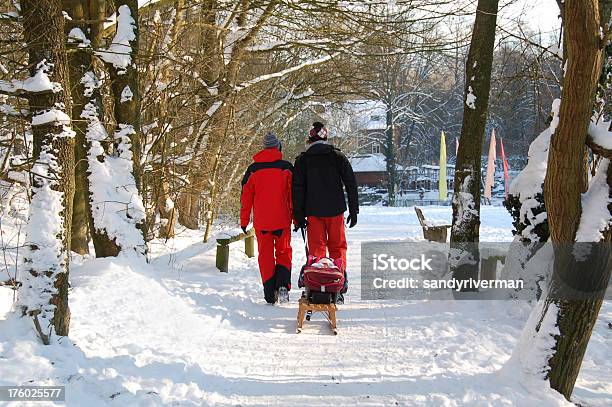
272	299
339	299
282	276
270	292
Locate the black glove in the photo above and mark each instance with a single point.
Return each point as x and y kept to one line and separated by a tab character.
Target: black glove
300	224
351	220
243	228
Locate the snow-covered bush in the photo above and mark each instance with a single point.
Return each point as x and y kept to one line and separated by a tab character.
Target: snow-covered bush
526	195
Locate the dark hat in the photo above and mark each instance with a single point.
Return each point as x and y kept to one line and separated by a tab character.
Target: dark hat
317	132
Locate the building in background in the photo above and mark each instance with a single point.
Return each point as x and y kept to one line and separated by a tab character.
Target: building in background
371	170
426	177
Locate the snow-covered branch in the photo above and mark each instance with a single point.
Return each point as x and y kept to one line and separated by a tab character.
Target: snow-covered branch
39	83
286	71
599	138
119	53
596	217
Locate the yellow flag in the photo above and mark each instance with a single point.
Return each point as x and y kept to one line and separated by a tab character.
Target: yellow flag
442	177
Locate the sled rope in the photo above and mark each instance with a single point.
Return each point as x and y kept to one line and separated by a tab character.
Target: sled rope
303	230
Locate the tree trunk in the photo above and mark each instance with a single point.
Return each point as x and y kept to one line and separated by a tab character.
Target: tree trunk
189	205
127	109
564	184
45	288
104	246
209	215
466	200
390	154
197	196
164	203
158	180
82	68
79	62
564	178
126	95
115	214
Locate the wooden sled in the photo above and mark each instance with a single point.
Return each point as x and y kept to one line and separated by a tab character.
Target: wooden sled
306	309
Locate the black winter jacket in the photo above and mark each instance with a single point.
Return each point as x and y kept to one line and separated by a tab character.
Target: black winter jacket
319	175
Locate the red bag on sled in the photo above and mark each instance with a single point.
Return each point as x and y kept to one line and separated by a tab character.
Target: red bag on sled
323	279
323	274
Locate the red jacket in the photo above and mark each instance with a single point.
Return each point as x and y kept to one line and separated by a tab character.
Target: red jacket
266	189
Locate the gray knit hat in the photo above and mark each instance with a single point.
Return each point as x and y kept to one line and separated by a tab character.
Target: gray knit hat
270	141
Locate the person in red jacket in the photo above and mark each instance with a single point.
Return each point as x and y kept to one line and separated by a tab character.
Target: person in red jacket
266	190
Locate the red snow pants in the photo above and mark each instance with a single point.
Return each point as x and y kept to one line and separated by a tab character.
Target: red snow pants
326	235
274	259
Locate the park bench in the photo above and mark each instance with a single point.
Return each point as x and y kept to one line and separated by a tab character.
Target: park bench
433	233
224	239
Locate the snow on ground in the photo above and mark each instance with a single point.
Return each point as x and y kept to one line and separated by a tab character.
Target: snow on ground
179	332
6	301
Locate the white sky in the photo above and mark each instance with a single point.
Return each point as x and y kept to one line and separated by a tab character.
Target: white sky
539	14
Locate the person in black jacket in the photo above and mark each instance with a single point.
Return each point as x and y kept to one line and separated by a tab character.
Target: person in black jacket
321	174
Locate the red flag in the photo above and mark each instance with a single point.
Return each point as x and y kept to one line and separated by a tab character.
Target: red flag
505	163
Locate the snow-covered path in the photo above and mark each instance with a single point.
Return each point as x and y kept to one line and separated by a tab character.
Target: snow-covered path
181	333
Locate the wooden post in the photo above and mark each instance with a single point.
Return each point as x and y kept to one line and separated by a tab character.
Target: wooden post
223	248
249	245
223	258
488	268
